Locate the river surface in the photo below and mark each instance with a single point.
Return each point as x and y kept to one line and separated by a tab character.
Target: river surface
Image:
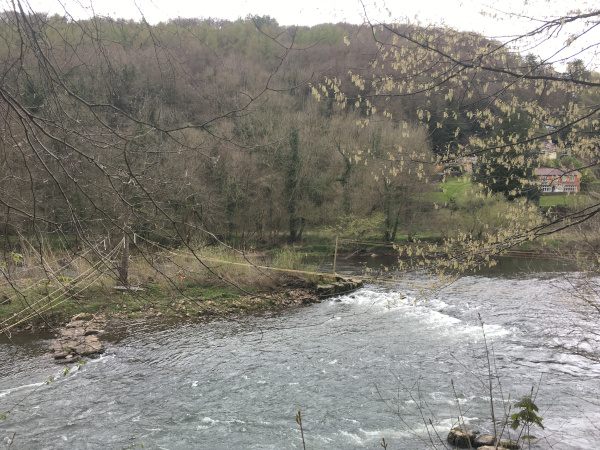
361	367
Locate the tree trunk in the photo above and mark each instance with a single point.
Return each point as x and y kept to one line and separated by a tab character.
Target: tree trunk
291	183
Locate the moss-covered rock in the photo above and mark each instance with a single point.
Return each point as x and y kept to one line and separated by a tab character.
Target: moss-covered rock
339	287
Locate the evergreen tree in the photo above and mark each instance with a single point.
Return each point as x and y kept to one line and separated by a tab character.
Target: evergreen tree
510	169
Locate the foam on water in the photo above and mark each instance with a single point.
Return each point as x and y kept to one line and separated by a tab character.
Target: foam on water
6	392
352	438
434	314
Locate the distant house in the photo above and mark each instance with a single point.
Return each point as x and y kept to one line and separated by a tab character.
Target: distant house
559	180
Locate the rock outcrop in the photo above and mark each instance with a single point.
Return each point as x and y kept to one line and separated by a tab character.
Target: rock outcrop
79	338
510	445
471	439
485	440
338	287
462	438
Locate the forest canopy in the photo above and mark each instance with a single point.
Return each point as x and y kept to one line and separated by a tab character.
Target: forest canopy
249	133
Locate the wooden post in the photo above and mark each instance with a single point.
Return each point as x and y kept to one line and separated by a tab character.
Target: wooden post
124	267
335	254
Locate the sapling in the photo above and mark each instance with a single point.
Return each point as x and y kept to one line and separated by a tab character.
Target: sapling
526	417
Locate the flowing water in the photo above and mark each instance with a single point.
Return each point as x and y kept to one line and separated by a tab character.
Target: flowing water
361	367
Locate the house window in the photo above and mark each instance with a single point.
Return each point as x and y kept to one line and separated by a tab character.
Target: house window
564	178
572	178
546	188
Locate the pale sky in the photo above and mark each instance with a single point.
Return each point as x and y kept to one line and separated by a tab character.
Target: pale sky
460	14
463	14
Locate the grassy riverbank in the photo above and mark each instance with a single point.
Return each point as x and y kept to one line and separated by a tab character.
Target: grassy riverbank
213	282
155	301
196	301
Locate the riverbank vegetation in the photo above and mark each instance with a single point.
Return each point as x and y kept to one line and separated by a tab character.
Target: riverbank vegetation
211	281
173	285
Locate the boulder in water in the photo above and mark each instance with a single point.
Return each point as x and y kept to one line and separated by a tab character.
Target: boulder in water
79	338
484	440
462	438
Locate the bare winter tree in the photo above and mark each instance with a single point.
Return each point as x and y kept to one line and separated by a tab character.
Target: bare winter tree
113	128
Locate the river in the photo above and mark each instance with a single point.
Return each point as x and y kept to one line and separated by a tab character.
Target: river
361	367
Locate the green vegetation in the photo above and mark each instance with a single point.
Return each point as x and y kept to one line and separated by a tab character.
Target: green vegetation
231	283
564	200
449	190
502	173
526	417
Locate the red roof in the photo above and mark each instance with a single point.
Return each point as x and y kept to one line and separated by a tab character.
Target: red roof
556	172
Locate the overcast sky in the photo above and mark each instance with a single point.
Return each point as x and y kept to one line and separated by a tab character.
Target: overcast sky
464	15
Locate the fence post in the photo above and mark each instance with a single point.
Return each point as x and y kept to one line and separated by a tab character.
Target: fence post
335	254
124	267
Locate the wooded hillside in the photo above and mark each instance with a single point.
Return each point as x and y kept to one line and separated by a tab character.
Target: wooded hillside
253	133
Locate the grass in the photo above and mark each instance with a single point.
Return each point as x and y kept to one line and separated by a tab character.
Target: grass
455	187
565	200
321	242
172	284
452	188
317	242
192	301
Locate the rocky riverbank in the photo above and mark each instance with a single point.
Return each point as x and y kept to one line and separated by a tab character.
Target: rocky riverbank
79	338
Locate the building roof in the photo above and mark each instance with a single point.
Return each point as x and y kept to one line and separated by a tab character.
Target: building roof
556	172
